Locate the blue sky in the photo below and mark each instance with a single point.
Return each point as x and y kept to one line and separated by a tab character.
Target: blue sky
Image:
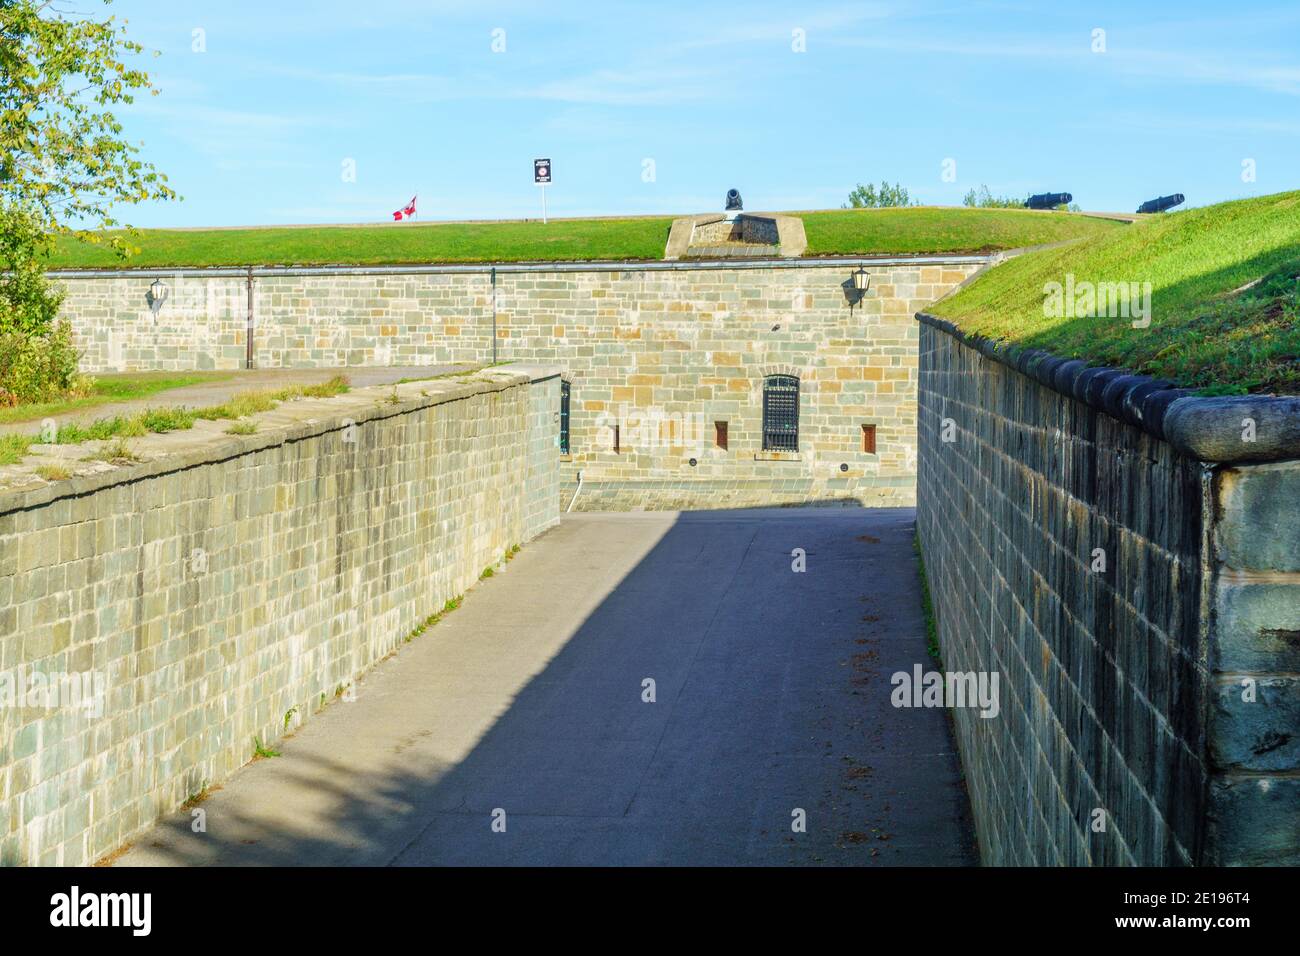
257	128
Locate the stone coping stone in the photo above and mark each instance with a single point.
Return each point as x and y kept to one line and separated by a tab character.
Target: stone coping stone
290	421
544	268
1204	428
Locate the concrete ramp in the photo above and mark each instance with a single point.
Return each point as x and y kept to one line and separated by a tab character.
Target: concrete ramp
527	707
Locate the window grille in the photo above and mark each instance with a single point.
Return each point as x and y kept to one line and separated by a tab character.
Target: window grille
780	413
564	417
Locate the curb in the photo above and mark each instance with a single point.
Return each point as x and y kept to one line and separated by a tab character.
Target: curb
1204	428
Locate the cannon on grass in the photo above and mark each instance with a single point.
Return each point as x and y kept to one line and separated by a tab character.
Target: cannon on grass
1162	204
1048	200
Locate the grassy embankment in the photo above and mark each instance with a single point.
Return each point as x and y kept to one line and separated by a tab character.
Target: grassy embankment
920	230
1225	298
832	232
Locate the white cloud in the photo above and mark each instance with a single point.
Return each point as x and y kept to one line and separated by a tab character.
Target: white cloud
719	31
1197	124
648	87
1207	69
1196	67
640	87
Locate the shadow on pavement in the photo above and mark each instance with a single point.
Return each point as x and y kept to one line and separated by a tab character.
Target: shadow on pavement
770	700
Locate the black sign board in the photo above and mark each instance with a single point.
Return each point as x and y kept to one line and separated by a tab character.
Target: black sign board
541	171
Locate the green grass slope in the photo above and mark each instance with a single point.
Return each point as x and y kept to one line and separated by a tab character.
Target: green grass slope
1225	298
925	229
836	232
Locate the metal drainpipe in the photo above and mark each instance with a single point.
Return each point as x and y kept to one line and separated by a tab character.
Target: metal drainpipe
494	315
248	324
576	492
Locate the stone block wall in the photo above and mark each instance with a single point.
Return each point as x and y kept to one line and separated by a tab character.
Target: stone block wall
1253	815
202	323
1123	590
541	487
663	356
219	595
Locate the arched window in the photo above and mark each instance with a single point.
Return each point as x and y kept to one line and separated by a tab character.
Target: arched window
564	417
781	413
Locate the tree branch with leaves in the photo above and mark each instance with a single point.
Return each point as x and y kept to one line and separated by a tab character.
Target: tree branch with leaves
64	162
63	159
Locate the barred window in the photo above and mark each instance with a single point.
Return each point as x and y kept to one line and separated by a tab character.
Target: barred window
564	417
781	413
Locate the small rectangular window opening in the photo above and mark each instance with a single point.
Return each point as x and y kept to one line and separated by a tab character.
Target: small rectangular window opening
869	439
720	434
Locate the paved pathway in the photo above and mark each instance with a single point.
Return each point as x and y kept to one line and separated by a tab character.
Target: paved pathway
772	693
205	394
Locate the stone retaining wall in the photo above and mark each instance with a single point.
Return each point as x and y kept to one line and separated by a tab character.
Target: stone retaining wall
1140	602
225	588
662	356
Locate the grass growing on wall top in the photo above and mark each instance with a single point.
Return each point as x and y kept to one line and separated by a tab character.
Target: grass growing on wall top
563	240
13	447
116	387
1225	298
934	230
834	232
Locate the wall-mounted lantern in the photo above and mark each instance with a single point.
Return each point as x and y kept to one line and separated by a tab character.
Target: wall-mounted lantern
156	296
856	288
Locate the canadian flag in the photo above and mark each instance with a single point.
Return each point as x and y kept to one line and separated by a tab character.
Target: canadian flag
407	211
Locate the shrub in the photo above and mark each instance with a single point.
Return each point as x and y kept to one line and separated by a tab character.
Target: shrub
868	197
983	199
29	303
36	367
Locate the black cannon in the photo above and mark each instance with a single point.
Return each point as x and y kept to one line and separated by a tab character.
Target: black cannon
733	201
1161	204
1047	200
